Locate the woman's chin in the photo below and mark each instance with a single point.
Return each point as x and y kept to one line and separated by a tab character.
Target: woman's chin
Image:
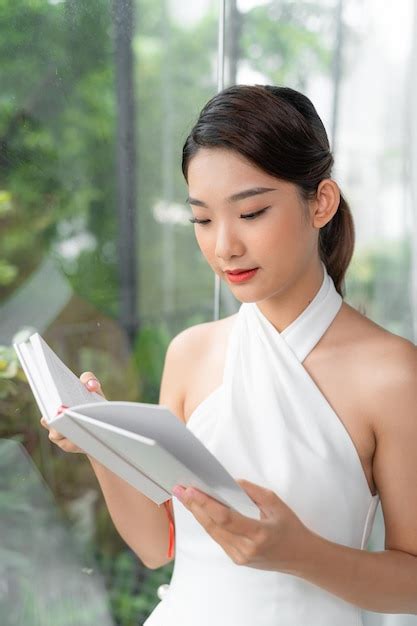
245	295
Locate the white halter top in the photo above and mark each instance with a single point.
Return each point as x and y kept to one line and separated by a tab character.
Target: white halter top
269	423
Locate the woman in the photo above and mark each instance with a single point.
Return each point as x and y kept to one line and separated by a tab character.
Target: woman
307	402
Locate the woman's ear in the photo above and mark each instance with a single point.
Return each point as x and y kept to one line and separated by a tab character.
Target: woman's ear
326	203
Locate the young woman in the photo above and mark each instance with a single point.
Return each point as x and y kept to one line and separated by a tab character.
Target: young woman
307	402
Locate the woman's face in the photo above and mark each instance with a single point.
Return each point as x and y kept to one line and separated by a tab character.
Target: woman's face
280	241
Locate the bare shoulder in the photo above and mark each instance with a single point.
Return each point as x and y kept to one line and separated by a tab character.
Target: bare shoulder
187	353
394	350
386	362
192	343
387	370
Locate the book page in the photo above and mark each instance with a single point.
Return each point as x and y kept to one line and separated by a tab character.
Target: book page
69	390
27	360
109	456
158	443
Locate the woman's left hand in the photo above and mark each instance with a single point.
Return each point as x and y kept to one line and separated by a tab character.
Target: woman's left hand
275	542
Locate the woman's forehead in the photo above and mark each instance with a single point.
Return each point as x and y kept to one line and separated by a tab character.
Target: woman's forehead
214	168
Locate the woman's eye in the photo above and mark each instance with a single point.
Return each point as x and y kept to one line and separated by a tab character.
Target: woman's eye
247	216
194	220
253	215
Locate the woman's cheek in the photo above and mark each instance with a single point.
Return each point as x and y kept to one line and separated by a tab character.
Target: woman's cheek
291	231
207	249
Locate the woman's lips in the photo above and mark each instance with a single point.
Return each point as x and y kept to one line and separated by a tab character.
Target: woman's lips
241	276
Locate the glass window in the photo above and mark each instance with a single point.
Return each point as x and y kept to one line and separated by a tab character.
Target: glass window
97	253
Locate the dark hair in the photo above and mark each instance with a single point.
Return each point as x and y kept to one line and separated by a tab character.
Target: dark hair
278	129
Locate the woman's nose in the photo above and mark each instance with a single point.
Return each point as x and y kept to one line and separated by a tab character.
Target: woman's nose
228	243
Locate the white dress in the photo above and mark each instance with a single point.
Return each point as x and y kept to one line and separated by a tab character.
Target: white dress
269	423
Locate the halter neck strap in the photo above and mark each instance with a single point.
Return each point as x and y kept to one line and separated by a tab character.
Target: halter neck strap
307	329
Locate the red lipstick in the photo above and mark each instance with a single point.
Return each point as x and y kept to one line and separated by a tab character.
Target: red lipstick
241	277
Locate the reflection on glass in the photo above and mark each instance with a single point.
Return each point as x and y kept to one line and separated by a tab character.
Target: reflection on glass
45	575
63	267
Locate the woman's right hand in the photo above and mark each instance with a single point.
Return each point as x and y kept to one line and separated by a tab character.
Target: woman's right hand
92	384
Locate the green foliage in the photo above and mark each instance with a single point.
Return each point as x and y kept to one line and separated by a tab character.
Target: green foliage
8	370
377	284
8	362
57	137
133	593
8	272
148	351
283	41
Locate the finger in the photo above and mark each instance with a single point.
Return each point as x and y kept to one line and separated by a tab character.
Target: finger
266	499
55	436
213	512
68	446
90	381
234	545
44	423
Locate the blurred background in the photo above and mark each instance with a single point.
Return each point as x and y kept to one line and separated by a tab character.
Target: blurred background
97	253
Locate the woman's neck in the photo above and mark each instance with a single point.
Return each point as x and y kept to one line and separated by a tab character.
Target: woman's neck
283	308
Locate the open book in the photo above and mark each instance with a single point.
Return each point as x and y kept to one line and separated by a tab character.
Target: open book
145	444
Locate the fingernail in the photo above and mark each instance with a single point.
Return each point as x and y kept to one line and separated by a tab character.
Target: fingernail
92	383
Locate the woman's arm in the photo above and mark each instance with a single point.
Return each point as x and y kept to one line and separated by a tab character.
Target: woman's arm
141	523
384	582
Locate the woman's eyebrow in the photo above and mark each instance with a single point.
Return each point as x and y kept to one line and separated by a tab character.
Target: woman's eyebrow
241	195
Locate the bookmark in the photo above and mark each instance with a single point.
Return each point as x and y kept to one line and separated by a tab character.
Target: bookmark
171	530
